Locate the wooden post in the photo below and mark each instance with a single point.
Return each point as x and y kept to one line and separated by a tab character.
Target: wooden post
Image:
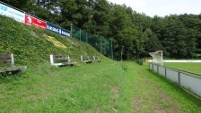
68	58
82	58
51	60
12	60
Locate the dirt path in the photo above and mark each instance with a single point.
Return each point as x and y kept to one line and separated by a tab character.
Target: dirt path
150	97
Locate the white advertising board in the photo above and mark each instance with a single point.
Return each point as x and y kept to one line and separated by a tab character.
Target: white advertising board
12	13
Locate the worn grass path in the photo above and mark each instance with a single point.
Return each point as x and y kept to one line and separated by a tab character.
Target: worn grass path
105	87
154	94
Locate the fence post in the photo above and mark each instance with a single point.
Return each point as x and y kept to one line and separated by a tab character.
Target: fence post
157	69
86	38
179	78
80	34
111	49
165	72
71	31
101	44
149	66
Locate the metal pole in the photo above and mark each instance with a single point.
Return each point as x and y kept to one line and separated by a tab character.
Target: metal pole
111	49
86	38
122	52
80	34
161	57
71	31
101	45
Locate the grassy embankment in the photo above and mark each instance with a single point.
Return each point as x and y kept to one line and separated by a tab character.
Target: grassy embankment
32	46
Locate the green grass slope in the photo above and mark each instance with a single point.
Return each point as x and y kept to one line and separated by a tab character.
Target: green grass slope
30	45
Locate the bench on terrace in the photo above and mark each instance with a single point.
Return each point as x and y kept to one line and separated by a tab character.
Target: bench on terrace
9	58
61	60
86	59
96	59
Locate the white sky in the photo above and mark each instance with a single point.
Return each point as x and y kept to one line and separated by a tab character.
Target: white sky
162	7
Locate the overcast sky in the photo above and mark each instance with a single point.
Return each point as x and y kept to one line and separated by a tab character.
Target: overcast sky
162	7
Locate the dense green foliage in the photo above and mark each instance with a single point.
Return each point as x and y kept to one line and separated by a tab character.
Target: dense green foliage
177	35
30	45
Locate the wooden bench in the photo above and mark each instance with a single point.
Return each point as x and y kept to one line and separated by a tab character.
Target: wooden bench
6	58
96	59
86	59
61	60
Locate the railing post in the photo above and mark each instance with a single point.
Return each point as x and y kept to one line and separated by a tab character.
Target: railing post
179	78
149	66
157	69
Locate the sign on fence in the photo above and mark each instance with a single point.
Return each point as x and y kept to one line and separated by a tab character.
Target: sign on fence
53	28
35	22
65	32
12	13
27	19
57	29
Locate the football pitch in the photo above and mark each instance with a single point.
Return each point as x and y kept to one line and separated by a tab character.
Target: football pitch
190	66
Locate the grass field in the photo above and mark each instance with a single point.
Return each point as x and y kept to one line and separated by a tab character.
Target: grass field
104	87
192	67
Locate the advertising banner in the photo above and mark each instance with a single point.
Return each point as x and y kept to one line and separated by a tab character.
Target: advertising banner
65	32
53	28
35	22
57	29
12	13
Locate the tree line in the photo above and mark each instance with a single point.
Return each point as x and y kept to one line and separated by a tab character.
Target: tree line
179	36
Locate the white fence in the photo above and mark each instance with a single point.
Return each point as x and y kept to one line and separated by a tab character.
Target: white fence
187	80
176	60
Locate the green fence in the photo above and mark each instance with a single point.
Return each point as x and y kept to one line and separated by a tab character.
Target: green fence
101	44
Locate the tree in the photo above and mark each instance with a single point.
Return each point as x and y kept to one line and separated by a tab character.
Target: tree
17	3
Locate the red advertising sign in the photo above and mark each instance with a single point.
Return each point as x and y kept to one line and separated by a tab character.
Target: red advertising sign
35	22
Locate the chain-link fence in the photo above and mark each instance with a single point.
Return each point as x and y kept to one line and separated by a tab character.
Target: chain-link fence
101	44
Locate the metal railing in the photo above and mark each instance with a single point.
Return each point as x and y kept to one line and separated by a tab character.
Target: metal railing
188	80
